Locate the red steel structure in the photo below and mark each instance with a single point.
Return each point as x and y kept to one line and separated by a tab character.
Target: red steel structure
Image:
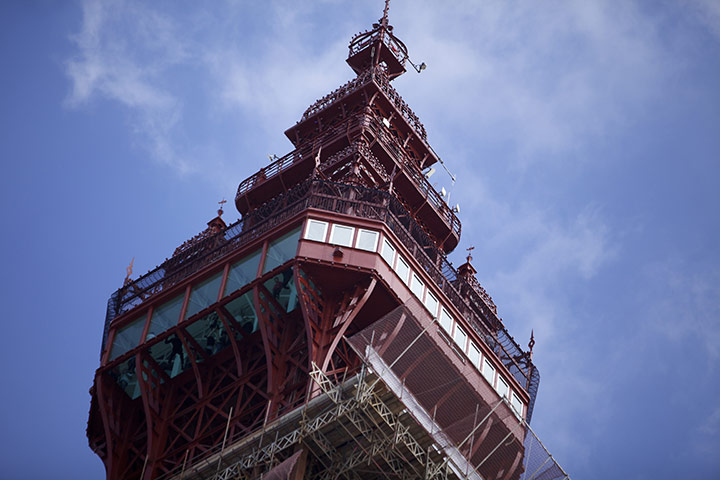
325	334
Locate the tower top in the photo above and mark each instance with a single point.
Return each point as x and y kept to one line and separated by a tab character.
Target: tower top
384	19
378	48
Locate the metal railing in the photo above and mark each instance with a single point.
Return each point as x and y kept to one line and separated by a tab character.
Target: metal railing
352	200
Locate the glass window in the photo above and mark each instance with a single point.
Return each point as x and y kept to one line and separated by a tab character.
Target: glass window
125	376
281	250
517	404
342	235
243	272
402	269
127	338
282	288
431	303
243	311
316	230
165	316
171	355
502	387
367	240
388	252
209	333
446	320
474	354
460	337
488	371
417	286
203	295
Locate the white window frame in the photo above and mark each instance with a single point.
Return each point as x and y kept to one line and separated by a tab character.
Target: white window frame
489	367
518	400
387	244
417	286
307	230
335	228
441	318
399	260
506	385
362	231
429	295
473	353
463	333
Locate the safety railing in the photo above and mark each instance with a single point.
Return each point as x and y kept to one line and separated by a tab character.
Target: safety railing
346	199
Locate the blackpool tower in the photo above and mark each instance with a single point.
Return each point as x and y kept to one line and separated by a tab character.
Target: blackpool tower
325	334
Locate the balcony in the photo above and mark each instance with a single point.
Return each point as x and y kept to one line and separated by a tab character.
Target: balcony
347	199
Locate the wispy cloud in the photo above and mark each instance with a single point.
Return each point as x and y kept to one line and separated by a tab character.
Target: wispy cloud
543	79
685	306
124	51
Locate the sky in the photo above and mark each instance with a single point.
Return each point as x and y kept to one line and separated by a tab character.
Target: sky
584	136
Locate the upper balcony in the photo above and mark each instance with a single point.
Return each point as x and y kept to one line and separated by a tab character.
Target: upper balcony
378	47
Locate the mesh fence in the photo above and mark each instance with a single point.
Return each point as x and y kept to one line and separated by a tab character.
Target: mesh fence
477	431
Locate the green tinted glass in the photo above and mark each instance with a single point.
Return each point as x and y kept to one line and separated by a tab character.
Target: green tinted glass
127	338
281	250
203	295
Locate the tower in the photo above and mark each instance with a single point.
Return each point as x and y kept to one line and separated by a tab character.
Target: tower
325	334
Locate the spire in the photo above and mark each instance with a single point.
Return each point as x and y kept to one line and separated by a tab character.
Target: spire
129	271
384	19
531	343
378	48
466	270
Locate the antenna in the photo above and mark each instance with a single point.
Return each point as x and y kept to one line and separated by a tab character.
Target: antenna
384	19
429	173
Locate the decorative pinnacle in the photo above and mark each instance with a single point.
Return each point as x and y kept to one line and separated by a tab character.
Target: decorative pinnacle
531	343
384	19
469	250
220	210
129	270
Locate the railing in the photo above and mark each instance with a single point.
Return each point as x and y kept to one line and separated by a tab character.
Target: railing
364	39
337	94
434	198
353	200
274	168
382	80
391	144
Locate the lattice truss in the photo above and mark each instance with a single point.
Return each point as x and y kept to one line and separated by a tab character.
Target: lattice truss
377	424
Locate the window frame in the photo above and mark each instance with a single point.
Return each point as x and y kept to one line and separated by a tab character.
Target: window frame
387	243
333	230
457	329
307	230
360	232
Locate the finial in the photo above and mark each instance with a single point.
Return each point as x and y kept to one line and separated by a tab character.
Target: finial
384	19
129	270
469	250
531	343
220	210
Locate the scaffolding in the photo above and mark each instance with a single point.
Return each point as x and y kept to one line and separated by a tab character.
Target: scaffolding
405	415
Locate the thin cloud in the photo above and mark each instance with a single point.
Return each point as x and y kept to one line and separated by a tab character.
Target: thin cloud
127	67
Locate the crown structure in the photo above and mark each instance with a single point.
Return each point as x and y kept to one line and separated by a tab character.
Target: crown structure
325	334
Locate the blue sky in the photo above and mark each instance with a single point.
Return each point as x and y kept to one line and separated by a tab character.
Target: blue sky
585	137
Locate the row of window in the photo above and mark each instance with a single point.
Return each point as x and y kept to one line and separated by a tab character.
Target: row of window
364	239
207	292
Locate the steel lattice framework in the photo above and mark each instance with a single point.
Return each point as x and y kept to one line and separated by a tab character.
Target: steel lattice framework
307	340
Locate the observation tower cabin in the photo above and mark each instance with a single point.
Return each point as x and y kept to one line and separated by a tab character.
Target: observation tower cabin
325	334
